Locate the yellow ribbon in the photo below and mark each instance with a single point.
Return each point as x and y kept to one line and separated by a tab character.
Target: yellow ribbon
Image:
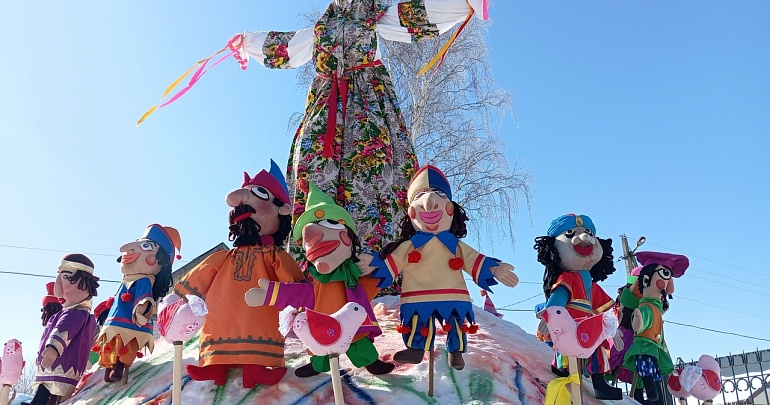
557	393
440	55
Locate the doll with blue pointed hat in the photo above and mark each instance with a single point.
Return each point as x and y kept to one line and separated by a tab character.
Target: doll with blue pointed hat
434	262
128	329
234	335
575	260
327	234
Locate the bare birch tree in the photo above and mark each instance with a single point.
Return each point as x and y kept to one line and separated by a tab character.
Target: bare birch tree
454	115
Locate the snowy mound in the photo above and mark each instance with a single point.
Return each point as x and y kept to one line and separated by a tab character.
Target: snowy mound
504	365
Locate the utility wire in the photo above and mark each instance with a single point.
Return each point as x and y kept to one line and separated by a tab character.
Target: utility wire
519	302
713	261
718	331
717	306
68	251
729	285
45	276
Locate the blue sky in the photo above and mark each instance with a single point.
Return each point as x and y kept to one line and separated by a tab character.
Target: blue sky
650	117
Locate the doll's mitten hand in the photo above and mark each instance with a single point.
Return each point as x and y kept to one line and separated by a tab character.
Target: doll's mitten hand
636	321
255	297
504	273
617	340
364	263
140	319
48	356
543	328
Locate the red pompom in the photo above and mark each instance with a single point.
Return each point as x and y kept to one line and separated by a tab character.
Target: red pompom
107	348
96	348
139	355
414	256
447	327
456	263
473	328
403	329
104	306
126	297
123	350
464	328
424	331
179	257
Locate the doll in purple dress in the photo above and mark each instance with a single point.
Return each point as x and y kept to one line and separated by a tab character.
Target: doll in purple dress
69	334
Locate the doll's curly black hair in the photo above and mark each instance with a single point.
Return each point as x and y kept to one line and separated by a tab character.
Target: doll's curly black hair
548	256
246	232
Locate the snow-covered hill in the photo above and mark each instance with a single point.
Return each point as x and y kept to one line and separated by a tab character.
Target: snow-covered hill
504	365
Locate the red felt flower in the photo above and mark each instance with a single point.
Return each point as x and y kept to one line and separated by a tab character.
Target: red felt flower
447	327
403	329
456	263
123	350
126	297
414	256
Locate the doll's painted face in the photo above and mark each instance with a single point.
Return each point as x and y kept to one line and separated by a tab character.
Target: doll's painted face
660	283
327	244
261	200
140	257
578	249
67	290
431	211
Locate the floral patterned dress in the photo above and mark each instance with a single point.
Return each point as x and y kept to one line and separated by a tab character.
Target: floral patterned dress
352	141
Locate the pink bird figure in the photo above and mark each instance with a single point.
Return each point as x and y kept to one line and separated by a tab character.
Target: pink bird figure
675	385
12	363
179	320
581	337
702	380
324	334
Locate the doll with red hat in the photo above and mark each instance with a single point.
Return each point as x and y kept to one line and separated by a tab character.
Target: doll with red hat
434	262
327	233
146	267
648	355
51	303
69	333
575	261
235	335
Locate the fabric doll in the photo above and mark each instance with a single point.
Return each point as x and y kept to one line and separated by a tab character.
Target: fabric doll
327	233
235	335
575	261
352	141
432	259
146	267
51	303
68	334
648	354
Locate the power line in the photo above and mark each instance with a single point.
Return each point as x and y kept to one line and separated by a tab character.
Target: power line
718	331
519	302
730	285
726	309
46	276
713	261
69	251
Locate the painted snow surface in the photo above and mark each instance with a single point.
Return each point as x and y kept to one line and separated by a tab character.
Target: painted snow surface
504	365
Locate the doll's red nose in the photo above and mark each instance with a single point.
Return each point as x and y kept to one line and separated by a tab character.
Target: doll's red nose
311	234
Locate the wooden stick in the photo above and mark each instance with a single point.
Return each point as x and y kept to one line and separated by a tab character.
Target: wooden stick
176	394
575	389
431	361
125	375
4	394
334	362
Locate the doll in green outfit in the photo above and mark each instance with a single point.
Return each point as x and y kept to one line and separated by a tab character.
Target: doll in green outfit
648	355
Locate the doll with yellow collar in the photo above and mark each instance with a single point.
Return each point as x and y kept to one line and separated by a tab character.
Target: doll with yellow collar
327	234
648	355
146	267
433	261
235	335
575	261
69	333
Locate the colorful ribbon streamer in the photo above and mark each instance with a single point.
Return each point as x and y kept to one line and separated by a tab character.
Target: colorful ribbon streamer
439	58
234	44
557	393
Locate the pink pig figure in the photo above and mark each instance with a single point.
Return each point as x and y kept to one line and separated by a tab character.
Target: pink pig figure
12	363
578	337
179	320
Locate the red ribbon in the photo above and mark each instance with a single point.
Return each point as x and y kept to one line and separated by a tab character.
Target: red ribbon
339	90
